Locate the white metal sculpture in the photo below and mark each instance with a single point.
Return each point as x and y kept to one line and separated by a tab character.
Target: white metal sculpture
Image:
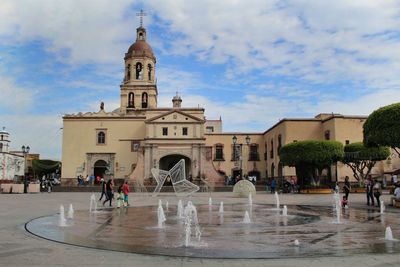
177	174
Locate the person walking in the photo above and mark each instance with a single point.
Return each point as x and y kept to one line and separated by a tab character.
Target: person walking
109	192
377	192
346	187
125	190
370	194
273	185
103	189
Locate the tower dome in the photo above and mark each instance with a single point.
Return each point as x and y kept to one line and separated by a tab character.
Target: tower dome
140	47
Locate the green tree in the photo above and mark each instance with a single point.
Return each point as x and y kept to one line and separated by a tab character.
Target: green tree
310	158
362	159
383	127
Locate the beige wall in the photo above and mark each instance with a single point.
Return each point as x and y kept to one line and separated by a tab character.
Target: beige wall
79	138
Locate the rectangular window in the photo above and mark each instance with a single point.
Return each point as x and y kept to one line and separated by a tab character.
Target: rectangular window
219	152
165	131
347	142
184	131
253	155
209	129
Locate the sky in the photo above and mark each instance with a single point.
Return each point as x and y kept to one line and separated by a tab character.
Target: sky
250	62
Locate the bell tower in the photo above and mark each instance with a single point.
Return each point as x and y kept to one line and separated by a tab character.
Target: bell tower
139	88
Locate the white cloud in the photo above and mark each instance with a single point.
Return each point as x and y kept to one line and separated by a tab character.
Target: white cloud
76	31
13	97
321	41
41	132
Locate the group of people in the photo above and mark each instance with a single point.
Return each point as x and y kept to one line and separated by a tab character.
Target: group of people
120	197
88	180
373	191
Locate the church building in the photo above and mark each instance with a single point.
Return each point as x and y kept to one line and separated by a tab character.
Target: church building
128	142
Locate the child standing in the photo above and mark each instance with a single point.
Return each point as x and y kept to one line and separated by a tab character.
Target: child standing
345	202
125	191
119	196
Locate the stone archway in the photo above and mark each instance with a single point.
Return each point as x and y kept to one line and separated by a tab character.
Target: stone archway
100	168
169	161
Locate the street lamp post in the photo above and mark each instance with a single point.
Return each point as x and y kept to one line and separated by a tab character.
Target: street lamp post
236	154
25	151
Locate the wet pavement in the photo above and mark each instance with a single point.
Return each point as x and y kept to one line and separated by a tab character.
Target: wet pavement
358	241
224	235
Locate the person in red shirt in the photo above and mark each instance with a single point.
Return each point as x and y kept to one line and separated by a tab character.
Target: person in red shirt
125	190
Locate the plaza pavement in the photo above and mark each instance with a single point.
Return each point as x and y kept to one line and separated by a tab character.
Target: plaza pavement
20	248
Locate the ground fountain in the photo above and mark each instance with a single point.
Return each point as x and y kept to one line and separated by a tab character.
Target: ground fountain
246	218
62	221
284	211
180	209
93	203
160	215
389	234
192	228
237	232
277	200
337	207
70	212
382	207
221	207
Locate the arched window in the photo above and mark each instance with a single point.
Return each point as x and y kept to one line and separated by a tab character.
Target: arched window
144	100
128	72
1	147
150	68
141	36
272	149
279	144
131	103
101	138
280	170
272	170
327	135
139	70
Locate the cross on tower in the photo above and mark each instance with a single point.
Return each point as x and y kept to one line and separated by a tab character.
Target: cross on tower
141	14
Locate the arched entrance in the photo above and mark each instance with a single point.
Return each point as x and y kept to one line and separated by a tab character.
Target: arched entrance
167	162
100	168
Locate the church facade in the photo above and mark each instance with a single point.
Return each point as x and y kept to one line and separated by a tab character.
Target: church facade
127	142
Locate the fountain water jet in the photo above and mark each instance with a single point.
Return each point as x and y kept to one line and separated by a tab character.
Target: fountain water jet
93	203
191	223
210	202
160	215
62	221
221	207
70	212
250	200
296	243
166	205
246	218
336	198
382	207
277	200
180	209
284	211
389	234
